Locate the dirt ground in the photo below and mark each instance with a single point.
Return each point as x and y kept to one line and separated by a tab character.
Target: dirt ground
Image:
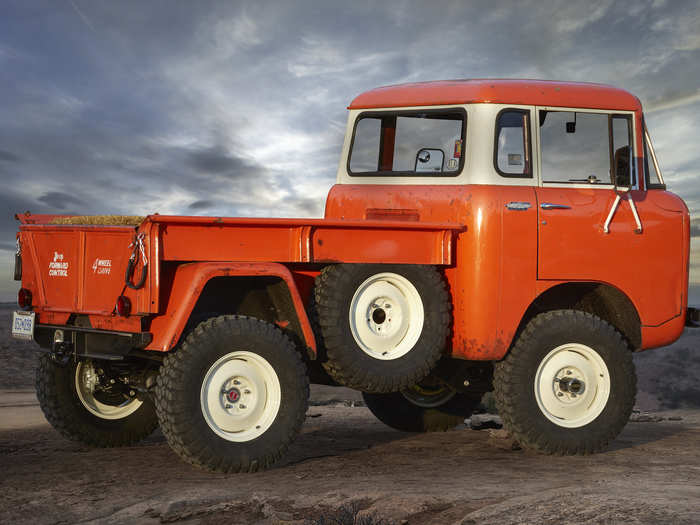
345	457
650	474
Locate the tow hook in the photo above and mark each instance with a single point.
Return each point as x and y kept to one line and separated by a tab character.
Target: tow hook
61	351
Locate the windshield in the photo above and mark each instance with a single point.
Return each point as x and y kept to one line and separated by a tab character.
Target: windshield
652	172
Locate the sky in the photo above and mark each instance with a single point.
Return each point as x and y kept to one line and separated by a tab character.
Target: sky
239	108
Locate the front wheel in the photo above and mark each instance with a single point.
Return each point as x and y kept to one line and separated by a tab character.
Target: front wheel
568	384
233	396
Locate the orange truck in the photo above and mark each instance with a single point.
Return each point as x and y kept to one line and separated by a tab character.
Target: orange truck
483	235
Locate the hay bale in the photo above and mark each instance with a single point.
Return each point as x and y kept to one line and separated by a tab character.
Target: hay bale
105	220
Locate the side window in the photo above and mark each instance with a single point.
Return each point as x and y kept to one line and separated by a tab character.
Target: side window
512	145
405	143
575	147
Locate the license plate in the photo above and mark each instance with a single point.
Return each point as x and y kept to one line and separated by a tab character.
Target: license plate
23	325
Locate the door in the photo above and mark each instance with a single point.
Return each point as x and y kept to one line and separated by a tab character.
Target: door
587	230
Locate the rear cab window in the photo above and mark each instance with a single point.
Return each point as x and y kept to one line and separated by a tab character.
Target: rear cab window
512	151
408	143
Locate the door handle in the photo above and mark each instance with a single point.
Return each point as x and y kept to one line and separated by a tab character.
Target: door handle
552	206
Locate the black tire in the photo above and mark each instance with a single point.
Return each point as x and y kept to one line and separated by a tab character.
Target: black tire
351	365
59	400
398	411
560	429
181	412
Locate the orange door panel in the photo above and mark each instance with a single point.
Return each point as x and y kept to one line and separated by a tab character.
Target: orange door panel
574	246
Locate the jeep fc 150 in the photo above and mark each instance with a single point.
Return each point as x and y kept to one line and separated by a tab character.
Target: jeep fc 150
504	235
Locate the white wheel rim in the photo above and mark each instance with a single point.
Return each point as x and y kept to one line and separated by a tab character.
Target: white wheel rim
572	385
386	316
240	396
86	379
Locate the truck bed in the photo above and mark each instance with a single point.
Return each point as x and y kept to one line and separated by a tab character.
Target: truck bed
80	268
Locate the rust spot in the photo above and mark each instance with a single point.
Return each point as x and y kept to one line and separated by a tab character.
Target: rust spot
319	242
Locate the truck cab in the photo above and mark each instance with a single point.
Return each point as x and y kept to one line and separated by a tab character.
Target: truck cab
559	190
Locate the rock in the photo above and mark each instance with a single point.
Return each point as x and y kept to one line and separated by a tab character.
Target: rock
502	439
485	421
642	417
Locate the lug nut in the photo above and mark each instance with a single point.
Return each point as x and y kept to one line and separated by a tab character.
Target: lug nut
236	382
246	391
560	394
242	406
132	393
228	406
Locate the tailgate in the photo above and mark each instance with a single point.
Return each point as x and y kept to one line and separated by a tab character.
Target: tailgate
76	268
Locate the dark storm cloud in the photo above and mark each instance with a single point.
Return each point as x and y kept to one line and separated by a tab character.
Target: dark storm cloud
217	160
59	200
201	205
8	156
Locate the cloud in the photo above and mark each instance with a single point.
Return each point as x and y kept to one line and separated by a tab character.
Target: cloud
59	200
201	205
216	160
238	108
8	156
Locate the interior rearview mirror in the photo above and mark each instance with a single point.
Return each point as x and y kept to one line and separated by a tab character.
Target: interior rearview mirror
429	159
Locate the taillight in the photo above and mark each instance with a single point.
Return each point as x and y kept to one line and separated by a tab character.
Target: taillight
123	306
24	298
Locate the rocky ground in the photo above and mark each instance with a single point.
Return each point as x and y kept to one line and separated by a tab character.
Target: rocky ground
347	463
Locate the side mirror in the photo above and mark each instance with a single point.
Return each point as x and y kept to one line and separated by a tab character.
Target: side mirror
429	159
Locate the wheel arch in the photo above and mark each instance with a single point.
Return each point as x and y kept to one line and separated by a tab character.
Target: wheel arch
266	291
597	298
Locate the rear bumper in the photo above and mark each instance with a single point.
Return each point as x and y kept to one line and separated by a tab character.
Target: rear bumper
133	339
692	317
91	342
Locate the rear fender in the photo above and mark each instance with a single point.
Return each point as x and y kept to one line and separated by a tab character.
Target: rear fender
189	281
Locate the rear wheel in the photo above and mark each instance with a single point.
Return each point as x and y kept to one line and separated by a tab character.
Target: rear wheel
383	327
568	385
422	408
86	403
233	396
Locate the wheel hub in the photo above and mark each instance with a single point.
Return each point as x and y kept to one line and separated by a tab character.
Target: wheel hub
233	395
380	318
